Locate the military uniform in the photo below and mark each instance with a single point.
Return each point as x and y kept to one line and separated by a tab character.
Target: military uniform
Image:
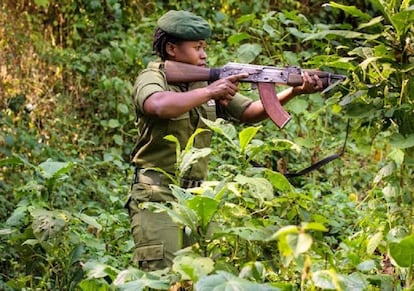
156	236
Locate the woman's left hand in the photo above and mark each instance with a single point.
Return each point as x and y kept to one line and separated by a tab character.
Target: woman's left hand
311	84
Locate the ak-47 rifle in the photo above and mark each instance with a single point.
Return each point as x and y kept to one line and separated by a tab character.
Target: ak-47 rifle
265	77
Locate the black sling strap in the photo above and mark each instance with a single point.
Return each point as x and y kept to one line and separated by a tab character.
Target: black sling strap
316	165
322	162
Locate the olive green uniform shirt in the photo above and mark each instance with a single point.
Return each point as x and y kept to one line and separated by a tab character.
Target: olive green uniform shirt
151	149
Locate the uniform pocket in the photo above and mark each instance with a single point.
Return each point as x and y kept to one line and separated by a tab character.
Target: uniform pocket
141	192
151	252
210	110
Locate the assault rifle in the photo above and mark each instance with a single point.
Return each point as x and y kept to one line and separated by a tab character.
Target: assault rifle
265	77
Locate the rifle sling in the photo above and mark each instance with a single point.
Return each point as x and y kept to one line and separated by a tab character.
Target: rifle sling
322	162
318	164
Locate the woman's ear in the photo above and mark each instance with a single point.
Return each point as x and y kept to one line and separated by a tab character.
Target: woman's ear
170	49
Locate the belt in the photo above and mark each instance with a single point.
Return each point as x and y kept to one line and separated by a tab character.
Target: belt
187	183
152	177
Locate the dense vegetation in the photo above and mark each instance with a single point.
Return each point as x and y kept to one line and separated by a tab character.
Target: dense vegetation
67	127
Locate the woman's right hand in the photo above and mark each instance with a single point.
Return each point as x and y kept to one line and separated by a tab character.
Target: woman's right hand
223	90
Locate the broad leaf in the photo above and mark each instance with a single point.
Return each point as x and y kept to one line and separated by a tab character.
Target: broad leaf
351	10
251	233
403	252
279	181
191	157
193	267
223	281
204	208
260	188
47	224
245	137
223	128
51	169
248	52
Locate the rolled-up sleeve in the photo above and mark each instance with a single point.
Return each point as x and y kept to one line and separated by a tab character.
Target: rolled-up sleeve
148	82
237	106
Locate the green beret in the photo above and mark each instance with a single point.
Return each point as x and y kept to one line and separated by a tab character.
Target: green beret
184	25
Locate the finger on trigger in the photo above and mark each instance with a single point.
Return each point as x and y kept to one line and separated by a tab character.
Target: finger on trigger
234	78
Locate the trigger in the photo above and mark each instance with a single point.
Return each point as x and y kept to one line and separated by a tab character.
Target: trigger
253	86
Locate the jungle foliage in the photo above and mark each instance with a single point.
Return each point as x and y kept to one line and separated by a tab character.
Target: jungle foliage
67	126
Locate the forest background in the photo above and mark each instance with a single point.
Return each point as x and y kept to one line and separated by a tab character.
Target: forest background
67	127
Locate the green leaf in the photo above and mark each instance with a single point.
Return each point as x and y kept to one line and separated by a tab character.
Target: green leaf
278	181
314	226
373	242
42	3
6	231
246	18
237	38
298	105
370	23
113	123
403	252
301	243
324	279
204	207
322	35
47	224
51	169
403	20
190	141
180	214
351	10
118	139
223	128
76	254
90	221
251	233
12	161
366	266
191	157
245	137
359	110
177	144
192	267
133	279
260	187
385	171
123	108
96	270
247	53
399	141
284	231
224	281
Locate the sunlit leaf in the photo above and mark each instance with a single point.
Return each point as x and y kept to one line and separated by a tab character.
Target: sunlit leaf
193	267
90	221
403	251
46	224
260	187
251	233
51	169
238	37
279	181
401	142
351	10
224	281
373	242
204	207
247	53
246	135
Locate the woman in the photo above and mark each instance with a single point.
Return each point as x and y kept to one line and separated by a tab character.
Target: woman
175	109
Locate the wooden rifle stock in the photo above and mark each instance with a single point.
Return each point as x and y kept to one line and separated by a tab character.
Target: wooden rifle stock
177	72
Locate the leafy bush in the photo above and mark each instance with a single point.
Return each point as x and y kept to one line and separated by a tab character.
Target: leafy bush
67	127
